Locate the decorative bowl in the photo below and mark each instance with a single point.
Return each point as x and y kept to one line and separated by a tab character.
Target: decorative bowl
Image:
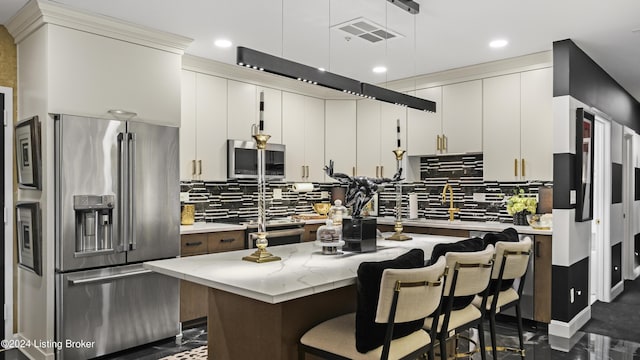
540	221
322	208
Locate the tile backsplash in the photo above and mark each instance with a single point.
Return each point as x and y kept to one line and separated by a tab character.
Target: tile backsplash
477	199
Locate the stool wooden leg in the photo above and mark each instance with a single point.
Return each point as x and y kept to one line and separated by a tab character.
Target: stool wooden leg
492	330
443	346
483	351
520	335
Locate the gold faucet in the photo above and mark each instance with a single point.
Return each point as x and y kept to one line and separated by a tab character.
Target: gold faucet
451	210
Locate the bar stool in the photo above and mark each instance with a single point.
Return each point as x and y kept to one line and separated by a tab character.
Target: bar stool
511	262
468	274
405	295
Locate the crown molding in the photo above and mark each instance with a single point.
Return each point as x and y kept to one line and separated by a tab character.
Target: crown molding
37	13
522	63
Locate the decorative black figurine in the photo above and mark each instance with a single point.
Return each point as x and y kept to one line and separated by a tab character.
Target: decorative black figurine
360	189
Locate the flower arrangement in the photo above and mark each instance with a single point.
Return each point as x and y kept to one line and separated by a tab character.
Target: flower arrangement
518	203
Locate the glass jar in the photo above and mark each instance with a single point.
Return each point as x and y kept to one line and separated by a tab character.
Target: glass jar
329	237
337	212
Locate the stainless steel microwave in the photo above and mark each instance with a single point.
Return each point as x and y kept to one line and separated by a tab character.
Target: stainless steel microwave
242	160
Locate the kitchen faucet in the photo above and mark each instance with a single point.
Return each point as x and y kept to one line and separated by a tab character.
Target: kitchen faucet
451	209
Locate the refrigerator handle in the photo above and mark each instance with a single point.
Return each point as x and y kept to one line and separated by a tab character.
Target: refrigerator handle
132	182
108	277
121	208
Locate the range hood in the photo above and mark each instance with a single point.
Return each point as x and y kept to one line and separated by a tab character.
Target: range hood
272	64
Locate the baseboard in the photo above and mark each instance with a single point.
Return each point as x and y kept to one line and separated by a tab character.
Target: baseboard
33	352
567	330
617	290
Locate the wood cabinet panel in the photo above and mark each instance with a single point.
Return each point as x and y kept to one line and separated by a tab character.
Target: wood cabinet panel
193	301
225	241
310	231
542	278
193	297
195	244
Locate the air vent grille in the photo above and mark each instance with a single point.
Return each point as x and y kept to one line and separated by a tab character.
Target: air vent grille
366	29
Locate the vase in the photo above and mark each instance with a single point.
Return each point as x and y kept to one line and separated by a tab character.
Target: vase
520	218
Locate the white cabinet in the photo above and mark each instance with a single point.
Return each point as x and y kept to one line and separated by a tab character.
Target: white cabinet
456	125
303	134
424	128
517	126
462	118
340	135
91	74
536	129
203	134
376	137
243	105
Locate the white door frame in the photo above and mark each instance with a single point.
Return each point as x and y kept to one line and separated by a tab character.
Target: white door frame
8	212
600	257
630	271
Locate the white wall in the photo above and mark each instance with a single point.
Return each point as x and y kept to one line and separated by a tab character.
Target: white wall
35	301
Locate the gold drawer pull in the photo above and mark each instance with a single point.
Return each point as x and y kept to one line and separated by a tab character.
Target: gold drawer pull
522	166
515	167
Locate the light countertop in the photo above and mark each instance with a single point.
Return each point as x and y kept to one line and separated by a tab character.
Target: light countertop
464	225
207	227
302	271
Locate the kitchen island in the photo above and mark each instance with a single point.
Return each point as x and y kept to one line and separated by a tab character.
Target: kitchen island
259	311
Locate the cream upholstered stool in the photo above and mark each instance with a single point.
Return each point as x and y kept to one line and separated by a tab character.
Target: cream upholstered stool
405	295
468	274
511	262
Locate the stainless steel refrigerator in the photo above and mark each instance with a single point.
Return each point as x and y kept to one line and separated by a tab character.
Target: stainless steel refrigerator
117	205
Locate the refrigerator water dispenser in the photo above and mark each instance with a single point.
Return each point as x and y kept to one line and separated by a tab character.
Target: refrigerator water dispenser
94	222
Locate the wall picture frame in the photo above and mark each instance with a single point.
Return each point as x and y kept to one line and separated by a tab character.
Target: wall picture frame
28	156
28	229
585	124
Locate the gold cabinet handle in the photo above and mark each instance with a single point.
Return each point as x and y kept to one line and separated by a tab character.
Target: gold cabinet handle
307	171
353	171
381	171
193	167
445	143
303	171
438	143
377	171
515	167
199	167
522	167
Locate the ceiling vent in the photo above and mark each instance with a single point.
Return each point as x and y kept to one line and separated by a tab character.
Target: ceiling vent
367	30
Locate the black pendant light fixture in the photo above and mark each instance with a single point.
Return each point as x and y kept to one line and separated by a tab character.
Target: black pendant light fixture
276	65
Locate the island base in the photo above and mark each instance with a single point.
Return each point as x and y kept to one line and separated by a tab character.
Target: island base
244	328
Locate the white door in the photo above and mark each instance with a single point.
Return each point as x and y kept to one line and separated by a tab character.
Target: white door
600	257
6	254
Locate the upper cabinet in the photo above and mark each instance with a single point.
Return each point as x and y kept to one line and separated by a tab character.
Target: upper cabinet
461	118
91	74
340	135
303	134
377	137
424	129
455	126
203	134
243	105
517	126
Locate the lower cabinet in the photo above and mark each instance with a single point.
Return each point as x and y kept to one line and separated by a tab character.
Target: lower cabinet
193	297
542	279
310	231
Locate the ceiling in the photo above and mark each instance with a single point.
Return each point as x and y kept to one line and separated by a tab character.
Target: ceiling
444	35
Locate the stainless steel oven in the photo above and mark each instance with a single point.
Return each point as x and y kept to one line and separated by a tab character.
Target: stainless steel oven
277	233
242	160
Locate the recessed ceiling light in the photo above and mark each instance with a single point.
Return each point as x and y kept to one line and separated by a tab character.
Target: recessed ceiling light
498	43
379	69
223	43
